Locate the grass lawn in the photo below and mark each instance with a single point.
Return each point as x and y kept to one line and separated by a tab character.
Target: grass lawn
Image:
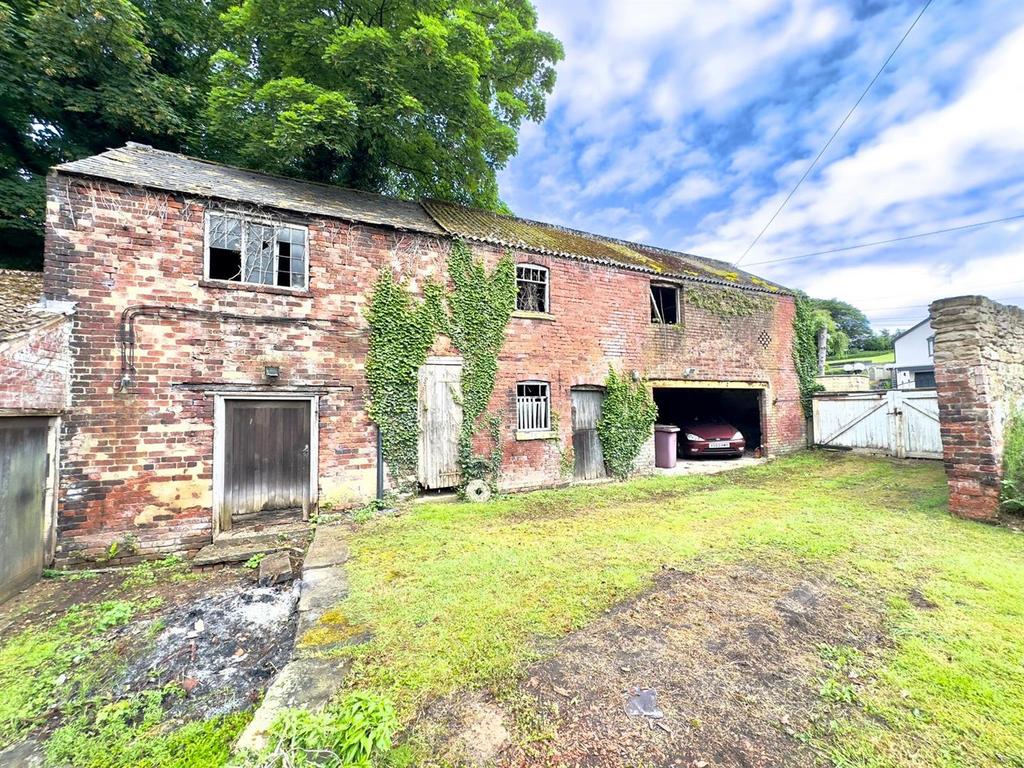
888	356
462	596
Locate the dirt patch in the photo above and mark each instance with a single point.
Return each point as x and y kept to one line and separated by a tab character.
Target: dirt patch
733	656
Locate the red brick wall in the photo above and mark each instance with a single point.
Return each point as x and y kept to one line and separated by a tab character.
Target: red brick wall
139	462
34	368
979	375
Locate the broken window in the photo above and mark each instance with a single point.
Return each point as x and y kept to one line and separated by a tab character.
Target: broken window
533	406
664	304
532	288
260	252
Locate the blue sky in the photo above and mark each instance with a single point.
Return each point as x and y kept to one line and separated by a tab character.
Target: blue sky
684	124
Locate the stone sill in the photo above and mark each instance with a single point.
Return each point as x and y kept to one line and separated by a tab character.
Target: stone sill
277	290
549	434
522	314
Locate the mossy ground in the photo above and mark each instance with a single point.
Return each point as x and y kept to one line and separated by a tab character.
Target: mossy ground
458	595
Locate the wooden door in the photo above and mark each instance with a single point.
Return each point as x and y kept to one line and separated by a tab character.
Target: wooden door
266	460
586	446
23	464
440	417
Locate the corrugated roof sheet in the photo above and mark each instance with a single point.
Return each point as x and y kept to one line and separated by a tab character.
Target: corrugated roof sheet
19	291
474	224
153	168
141	165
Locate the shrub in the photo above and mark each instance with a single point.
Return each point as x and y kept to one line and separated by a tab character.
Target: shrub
1012	493
627	416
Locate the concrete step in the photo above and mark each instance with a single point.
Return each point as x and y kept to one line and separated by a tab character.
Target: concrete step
238	547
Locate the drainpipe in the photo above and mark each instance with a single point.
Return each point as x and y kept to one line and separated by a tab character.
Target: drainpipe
380	466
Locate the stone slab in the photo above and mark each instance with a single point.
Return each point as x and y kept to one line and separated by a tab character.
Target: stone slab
275	569
329	547
238	550
302	683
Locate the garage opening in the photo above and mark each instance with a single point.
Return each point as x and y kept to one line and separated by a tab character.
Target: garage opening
713	411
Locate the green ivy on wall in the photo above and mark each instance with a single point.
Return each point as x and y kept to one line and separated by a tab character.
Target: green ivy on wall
402	331
805	350
727	302
473	314
1011	495
627	416
479	308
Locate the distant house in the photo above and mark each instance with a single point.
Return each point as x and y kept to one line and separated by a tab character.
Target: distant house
915	357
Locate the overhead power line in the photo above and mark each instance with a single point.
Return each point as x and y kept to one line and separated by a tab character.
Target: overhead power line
834	133
873	243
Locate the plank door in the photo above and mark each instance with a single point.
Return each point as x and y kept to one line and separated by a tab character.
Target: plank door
23	463
586	446
266	460
440	419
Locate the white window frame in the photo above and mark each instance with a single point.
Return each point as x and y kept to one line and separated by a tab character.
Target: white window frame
547	286
650	296
254	219
930	341
546	426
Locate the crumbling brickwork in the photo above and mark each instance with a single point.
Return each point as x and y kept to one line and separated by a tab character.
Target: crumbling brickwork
138	453
34	368
979	373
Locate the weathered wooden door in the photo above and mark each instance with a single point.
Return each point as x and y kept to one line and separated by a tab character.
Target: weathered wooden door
586	446
266	460
440	417
23	463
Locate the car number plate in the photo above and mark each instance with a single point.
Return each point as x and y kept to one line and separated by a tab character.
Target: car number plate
718	444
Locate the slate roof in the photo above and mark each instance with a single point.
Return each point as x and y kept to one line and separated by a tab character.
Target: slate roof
19	291
138	164
155	169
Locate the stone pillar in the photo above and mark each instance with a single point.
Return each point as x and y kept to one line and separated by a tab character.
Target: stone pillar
979	373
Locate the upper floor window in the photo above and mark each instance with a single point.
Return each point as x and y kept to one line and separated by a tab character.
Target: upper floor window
664	304
533	406
532	288
931	346
250	250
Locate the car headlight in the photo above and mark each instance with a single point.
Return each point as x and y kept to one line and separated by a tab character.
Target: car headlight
738	435
690	436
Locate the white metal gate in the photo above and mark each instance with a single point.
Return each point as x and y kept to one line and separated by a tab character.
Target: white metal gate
901	423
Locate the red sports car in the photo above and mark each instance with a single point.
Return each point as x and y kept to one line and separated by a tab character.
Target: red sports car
710	437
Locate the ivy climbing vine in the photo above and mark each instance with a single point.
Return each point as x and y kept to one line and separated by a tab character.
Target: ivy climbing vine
402	331
627	416
479	308
473	314
727	302
805	350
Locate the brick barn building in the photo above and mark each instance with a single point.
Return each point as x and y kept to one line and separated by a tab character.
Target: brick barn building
218	309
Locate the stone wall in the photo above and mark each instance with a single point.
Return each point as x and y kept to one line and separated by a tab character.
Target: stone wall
979	373
137	458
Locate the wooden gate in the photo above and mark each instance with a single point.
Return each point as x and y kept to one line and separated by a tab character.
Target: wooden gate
266	460
440	419
901	423
23	468
586	446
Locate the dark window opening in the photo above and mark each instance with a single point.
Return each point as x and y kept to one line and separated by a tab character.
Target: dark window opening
248	251
924	380
284	264
664	304
532	289
225	264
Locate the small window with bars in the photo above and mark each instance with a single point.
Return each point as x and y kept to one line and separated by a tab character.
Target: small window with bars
533	406
532	288
244	250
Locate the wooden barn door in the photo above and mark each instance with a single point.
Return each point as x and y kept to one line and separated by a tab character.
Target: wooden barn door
586	446
266	461
23	463
440	417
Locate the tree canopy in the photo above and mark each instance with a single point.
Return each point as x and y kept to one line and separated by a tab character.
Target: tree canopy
405	97
849	320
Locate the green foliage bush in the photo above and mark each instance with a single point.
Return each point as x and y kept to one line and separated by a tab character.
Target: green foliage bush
805	350
349	734
627	416
1012	492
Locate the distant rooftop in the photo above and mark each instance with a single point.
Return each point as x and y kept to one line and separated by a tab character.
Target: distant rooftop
19	292
138	164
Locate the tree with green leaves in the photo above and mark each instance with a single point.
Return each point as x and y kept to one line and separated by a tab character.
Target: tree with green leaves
410	97
848	319
404	97
79	76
